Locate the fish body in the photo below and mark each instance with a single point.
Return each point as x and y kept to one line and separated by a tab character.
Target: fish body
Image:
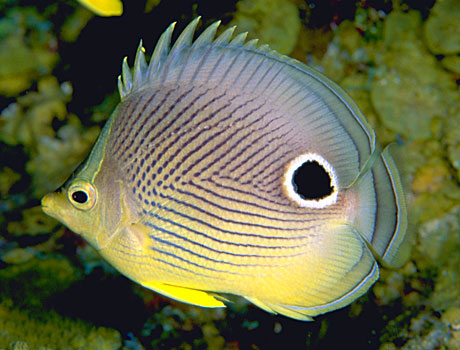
229	168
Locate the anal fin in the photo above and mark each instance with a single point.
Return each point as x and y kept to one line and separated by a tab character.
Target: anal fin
280	309
185	295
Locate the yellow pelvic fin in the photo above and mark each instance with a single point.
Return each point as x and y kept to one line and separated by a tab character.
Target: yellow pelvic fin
280	309
104	7
185	295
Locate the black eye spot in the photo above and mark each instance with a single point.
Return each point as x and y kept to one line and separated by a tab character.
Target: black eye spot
311	181
80	197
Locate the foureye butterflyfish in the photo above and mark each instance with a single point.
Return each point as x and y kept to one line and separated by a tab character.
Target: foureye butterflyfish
228	168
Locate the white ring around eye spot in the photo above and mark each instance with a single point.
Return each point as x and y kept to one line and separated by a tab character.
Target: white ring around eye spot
289	187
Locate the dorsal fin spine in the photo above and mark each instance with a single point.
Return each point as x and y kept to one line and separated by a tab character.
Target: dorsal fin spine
252	43
143	73
186	37
140	67
125	79
225	37
239	39
208	35
161	52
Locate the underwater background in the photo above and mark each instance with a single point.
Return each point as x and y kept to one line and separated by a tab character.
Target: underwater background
399	60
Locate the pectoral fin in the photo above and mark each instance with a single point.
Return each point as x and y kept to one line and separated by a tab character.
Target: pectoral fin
185	295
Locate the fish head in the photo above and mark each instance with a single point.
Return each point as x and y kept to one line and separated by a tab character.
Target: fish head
90	202
77	206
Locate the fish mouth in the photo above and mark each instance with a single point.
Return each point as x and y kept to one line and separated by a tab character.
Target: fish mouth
47	204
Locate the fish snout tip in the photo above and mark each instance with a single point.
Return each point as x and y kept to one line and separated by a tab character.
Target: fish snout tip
46	203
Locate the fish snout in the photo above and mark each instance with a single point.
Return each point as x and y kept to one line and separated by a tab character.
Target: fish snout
46	203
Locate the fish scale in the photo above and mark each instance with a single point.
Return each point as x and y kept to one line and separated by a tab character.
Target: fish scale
189	189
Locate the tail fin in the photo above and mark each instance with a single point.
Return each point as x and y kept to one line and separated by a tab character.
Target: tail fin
382	217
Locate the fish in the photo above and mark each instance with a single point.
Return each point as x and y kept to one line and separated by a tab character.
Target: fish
105	8
230	169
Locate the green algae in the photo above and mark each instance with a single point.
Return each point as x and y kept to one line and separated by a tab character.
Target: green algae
275	22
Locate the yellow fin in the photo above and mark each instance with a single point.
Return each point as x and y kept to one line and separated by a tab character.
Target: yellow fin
185	295
104	7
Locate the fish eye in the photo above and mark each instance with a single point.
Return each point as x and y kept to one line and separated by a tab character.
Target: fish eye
311	182
82	195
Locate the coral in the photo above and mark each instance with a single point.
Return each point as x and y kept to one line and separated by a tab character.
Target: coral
75	23
50	331
33	222
17	345
274	22
452	318
432	299
439	244
452	63
443	27
150	4
346	51
7	178
27	49
452	138
183	326
29	121
31	283
410	88
29	286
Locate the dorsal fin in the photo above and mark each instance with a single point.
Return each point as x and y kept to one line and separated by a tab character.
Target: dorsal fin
142	73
